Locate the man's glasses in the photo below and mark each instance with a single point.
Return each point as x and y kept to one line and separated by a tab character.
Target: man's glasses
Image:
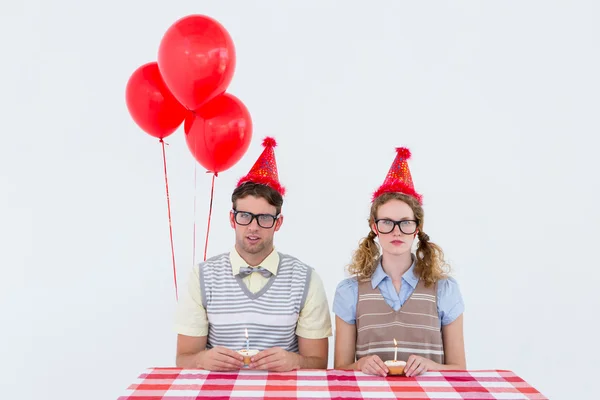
264	220
407	226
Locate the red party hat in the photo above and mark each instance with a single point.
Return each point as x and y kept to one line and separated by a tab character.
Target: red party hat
264	171
398	178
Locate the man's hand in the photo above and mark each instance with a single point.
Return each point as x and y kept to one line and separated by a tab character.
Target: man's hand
220	359
276	359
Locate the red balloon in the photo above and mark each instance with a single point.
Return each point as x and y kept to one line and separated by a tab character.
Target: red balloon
151	104
219	133
197	59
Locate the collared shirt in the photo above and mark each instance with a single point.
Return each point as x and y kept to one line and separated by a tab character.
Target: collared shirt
255	281
314	321
450	304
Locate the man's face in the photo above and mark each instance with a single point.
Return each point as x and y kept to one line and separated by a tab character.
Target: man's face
250	237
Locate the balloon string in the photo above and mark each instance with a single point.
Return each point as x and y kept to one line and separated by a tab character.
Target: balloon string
212	190
193	113
195	188
170	223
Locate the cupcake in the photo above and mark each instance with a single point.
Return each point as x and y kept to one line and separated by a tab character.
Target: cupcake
247	354
395	367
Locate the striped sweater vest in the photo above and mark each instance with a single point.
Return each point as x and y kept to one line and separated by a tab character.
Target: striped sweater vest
416	325
270	315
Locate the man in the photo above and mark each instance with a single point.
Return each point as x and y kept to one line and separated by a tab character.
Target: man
278	299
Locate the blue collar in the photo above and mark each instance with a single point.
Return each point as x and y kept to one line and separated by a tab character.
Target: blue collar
409	276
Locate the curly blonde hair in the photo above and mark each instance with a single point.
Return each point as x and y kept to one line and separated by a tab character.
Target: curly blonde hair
430	264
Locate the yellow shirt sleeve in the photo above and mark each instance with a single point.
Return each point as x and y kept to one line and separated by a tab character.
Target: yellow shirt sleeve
314	321
190	315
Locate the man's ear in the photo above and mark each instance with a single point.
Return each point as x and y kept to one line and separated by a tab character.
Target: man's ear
279	222
232	219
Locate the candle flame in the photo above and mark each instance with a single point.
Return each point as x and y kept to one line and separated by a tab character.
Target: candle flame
246	329
395	343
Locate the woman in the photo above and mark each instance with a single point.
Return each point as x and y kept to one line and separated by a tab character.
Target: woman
397	295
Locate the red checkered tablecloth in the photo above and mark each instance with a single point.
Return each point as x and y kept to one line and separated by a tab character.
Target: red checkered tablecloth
180	384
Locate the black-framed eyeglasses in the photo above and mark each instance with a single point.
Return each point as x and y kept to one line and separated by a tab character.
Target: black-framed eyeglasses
406	226
263	220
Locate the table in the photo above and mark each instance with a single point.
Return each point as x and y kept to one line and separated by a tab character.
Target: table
182	384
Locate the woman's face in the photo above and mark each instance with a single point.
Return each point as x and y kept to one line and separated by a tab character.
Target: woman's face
396	227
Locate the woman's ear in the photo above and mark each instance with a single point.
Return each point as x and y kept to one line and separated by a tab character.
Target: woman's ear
374	229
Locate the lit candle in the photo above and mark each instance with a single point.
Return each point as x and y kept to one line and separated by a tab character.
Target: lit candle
395	350
247	340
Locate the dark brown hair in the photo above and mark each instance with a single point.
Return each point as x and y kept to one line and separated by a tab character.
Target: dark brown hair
257	190
430	266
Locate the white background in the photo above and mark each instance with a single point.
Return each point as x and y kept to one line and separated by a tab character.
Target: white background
498	102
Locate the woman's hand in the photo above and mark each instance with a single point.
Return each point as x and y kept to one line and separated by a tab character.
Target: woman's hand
372	365
417	365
